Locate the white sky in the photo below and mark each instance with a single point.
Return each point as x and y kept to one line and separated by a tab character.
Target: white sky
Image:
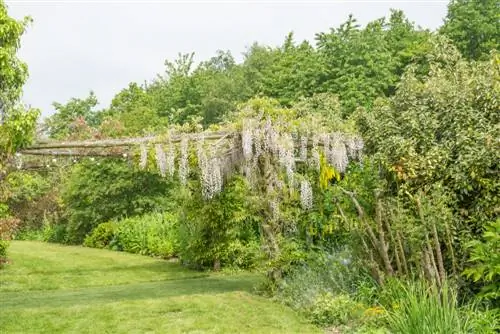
76	46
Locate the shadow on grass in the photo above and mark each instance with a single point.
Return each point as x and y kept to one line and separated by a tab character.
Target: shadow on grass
124	293
156	267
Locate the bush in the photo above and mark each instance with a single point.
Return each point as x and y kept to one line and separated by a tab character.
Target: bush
31	196
109	191
485	255
327	287
56	233
219	232
102	236
152	234
329	309
321	273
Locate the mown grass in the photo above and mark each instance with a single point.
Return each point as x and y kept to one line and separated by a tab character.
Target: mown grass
59	289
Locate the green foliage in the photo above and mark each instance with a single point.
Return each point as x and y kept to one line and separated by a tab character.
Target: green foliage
13	72
322	273
56	233
210	91
31	196
102	236
332	290
485	260
435	140
210	230
131	113
17	129
285	73
473	26
95	193
64	121
17	124
152	234
418	308
363	64
335	310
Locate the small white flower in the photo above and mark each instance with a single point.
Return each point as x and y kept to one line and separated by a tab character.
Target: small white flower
306	195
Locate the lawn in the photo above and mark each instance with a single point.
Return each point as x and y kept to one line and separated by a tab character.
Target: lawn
61	289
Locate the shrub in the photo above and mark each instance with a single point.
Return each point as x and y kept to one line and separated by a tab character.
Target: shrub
31	196
56	233
329	309
8	227
152	234
221	231
111	190
326	286
485	256
322	272
242	254
102	236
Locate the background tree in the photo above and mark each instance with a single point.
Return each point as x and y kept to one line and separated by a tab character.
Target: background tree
474	26
68	115
362	64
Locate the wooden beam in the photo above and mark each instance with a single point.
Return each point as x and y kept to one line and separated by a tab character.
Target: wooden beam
127	141
71	153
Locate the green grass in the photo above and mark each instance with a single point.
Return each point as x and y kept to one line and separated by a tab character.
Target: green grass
60	289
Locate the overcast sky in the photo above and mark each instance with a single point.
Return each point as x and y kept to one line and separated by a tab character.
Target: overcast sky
76	46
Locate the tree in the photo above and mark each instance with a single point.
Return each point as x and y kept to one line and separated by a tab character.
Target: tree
436	139
13	72
60	124
207	93
361	64
17	124
133	109
285	73
474	26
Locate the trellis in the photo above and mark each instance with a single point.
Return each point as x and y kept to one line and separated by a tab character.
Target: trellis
257	146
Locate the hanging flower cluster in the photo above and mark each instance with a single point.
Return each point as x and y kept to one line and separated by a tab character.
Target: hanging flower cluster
144	157
303	148
264	138
306	196
18	160
183	161
287	157
170	160
161	160
355	147
336	153
314	162
258	138
211	174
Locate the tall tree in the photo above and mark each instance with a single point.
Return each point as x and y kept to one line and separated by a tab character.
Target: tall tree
474	26
60	124
17	124
362	64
